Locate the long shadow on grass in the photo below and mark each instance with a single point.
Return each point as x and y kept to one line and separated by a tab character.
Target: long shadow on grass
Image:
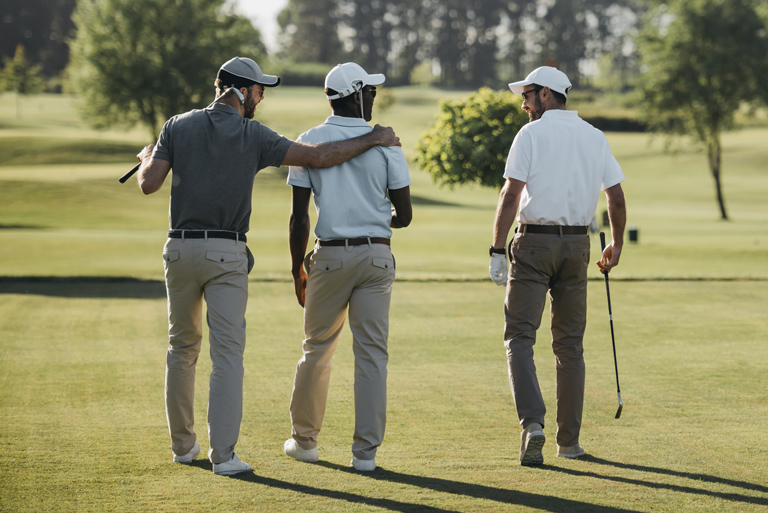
675	488
479	491
83	287
314	491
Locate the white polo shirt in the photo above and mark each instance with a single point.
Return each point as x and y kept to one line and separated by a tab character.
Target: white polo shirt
351	198
565	162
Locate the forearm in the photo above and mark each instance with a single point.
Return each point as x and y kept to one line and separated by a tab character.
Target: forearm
151	174
617	213
298	235
506	210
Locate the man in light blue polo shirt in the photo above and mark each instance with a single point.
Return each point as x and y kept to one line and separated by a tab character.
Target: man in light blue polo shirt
351	267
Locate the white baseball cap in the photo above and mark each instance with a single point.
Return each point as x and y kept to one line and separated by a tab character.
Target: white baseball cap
545	76
242	71
348	78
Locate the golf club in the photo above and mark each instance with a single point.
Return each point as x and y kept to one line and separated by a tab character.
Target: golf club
613	340
129	174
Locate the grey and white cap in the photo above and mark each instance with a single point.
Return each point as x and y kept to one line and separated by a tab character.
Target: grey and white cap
244	72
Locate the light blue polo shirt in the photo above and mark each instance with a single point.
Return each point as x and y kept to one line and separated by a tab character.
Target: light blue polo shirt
351	198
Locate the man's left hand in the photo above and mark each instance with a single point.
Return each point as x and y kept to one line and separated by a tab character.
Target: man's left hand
498	269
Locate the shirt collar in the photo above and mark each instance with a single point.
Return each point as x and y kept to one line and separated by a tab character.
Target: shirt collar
560	113
345	121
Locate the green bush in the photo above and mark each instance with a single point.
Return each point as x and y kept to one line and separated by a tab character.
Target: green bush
470	139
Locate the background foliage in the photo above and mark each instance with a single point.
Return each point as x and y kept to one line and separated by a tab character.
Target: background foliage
143	61
469	140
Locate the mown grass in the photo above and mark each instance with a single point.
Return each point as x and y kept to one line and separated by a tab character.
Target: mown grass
83	323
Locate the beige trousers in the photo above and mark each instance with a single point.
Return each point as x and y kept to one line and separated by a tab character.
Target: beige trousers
216	271
542	263
358	277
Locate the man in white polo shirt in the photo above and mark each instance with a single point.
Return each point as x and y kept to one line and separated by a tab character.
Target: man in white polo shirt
557	165
351	267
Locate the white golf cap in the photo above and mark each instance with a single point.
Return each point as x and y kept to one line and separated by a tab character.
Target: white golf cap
244	72
544	76
349	78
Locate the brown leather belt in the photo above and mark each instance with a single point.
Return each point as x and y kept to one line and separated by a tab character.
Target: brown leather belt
354	242
552	229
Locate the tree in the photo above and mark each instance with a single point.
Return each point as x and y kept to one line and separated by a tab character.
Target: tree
470	139
309	31
142	61
703	58
21	76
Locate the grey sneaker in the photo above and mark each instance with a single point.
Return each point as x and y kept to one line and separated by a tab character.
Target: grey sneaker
187	458
233	466
363	465
574	451
531	442
294	450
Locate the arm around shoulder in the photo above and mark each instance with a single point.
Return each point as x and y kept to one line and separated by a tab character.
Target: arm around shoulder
330	154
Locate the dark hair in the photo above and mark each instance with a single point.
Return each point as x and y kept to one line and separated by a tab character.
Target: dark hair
338	103
559	97
226	79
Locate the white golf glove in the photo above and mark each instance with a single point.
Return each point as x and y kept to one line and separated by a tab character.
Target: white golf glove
498	269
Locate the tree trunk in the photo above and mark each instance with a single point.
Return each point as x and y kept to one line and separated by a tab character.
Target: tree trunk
714	152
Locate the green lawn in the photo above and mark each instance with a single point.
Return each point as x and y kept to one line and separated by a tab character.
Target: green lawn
83	324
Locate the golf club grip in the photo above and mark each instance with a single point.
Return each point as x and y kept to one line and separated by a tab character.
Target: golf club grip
129	174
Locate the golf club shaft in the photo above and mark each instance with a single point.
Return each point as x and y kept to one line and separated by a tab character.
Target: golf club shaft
129	174
610	318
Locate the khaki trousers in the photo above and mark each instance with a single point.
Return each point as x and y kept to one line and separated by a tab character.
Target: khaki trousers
542	263
214	270
358	277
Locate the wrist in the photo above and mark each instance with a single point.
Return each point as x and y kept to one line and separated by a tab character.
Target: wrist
496	251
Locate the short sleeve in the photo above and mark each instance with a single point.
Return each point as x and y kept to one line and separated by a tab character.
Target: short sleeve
299	176
397	168
612	173
163	148
273	147
519	159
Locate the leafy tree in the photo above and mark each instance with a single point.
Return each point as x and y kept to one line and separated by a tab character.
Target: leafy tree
470	139
21	76
141	61
703	59
309	31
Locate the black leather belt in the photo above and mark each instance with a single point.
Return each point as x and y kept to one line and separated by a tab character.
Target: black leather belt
354	242
552	229
206	234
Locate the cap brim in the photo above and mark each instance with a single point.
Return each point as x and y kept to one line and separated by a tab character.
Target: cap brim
375	80
519	87
269	80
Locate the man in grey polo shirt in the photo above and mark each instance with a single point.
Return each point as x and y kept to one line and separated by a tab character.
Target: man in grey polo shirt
556	167
351	267
215	154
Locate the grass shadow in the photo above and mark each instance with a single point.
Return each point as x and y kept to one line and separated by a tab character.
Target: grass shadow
376	502
429	202
83	287
479	491
667	486
20	227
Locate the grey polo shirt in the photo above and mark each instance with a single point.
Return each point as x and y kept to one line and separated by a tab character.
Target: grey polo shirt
215	154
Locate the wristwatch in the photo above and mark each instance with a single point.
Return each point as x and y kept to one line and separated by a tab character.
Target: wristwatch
498	251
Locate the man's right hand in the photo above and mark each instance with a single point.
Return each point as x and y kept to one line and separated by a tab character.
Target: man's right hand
300	286
386	136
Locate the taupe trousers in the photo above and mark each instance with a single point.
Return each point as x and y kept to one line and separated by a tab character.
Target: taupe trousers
215	270
360	277
557	264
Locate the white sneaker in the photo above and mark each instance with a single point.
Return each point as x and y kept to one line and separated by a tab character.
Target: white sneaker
294	450
574	451
531	442
233	466
191	455
363	465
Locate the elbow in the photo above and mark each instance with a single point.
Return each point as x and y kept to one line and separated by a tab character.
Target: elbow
404	220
